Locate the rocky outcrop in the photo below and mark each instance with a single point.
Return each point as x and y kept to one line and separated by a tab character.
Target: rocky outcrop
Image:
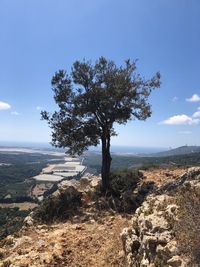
86	186
150	241
83	185
86	239
28	221
71	200
91	238
191	176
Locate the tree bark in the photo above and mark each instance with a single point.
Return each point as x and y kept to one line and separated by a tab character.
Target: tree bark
106	162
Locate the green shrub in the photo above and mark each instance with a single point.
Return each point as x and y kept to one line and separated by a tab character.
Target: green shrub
11	220
126	192
124	181
59	207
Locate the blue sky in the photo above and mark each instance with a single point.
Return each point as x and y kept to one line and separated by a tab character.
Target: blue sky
39	37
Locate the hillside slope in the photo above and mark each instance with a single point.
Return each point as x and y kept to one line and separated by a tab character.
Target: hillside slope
104	238
165	229
183	150
67	244
89	238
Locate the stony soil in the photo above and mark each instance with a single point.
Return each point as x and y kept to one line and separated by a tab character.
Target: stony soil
152	240
92	243
81	243
161	176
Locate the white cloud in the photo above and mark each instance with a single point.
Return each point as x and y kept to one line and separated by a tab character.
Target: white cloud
175	98
185	132
4	105
39	108
193	98
15	113
181	120
196	114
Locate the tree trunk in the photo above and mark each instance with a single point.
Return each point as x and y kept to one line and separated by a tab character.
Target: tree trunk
106	162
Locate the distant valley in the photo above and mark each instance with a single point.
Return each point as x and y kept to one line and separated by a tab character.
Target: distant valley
19	190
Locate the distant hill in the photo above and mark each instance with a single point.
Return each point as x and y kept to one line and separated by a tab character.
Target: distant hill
183	150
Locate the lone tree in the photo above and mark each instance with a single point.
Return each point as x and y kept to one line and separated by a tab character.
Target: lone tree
91	99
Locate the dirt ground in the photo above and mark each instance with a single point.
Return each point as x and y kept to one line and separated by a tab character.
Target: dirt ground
94	244
161	176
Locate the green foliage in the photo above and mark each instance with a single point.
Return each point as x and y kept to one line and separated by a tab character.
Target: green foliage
126	194
59	207
15	178
26	158
16	182
11	220
93	160
124	181
91	99
122	186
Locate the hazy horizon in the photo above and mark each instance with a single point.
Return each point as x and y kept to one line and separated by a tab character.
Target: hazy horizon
124	149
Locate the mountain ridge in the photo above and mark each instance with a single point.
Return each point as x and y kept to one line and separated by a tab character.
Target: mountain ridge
182	150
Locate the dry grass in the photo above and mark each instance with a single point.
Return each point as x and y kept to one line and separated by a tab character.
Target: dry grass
187	227
161	176
21	206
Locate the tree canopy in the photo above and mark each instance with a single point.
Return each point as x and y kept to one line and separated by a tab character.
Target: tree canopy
91	98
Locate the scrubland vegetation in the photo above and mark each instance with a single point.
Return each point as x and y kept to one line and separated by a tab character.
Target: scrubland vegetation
15	186
187	227
11	220
15	179
58	208
126	193
120	162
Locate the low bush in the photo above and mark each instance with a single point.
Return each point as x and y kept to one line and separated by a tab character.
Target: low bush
123	181
127	192
59	207
11	220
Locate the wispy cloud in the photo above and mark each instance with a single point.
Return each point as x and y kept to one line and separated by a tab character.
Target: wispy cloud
15	113
181	120
193	98
4	105
185	132
175	98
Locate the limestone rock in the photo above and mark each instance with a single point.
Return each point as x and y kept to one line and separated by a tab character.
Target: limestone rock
64	185
175	261
150	241
28	221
